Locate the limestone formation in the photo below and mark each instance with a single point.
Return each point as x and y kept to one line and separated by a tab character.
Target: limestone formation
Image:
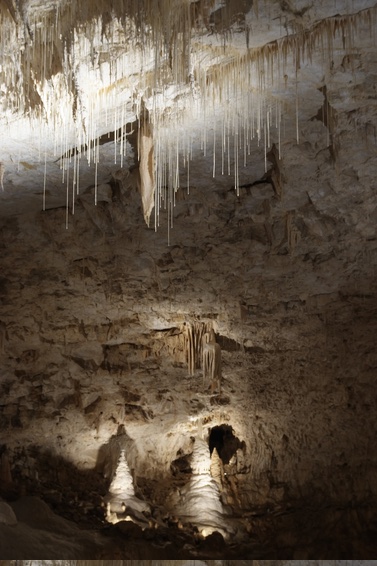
2	171
217	471
147	168
121	502
194	334
211	362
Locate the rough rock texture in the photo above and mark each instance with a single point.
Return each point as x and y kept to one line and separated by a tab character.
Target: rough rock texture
93	338
94	311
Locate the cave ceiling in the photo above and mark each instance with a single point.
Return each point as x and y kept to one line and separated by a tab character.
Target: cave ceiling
78	78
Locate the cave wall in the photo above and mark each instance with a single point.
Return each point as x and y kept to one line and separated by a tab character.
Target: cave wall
92	333
287	281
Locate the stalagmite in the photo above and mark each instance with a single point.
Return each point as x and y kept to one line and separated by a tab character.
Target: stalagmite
217	469
121	502
200	502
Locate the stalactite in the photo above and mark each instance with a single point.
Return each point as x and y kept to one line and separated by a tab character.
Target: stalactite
2	171
147	169
293	234
194	333
41	79
96	161
44	183
67	196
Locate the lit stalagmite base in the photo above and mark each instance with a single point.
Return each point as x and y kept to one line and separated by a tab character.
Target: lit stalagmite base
199	501
121	501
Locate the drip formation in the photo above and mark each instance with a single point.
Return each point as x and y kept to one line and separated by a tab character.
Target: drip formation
83	69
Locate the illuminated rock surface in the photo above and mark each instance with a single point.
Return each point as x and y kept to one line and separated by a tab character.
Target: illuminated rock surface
277	254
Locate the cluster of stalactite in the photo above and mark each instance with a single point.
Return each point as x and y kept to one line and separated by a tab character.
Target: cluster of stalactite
194	333
50	54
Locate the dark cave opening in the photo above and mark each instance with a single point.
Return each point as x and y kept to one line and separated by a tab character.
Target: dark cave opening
226	443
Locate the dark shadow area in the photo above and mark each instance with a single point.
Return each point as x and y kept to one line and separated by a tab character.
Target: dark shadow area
222	438
70	492
228	344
